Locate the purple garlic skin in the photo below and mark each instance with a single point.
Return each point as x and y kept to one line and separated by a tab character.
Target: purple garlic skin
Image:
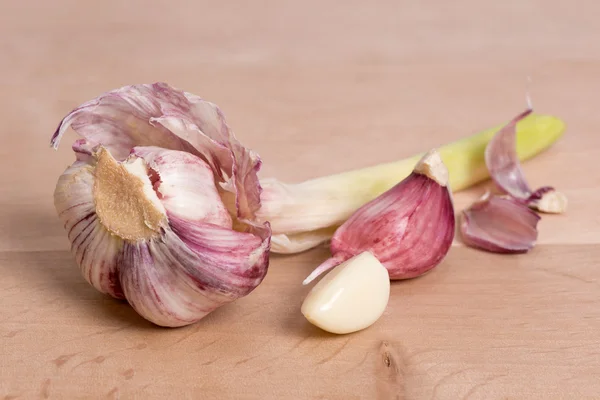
505	169
160	204
499	225
506	223
409	228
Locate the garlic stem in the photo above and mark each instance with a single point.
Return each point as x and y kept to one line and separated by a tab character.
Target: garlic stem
326	202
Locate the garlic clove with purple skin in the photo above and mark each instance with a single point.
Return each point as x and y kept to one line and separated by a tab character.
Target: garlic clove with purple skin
499	224
502	161
152	229
409	228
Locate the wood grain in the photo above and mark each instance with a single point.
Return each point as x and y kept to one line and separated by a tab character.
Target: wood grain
316	88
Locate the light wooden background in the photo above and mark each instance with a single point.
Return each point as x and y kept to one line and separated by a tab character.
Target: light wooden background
315	87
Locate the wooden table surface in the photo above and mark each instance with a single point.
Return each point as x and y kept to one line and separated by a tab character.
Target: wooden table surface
315	88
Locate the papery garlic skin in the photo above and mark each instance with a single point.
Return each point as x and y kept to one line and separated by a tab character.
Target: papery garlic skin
160	204
499	224
409	228
162	116
502	161
506	224
351	297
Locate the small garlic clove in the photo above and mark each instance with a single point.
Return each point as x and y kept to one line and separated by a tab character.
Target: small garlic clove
548	200
503	164
499	225
351	297
409	228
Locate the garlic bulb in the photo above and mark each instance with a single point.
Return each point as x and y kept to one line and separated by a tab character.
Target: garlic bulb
159	206
409	228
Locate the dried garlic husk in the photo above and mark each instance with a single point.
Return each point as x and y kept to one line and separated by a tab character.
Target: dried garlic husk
505	224
160	204
409	228
503	164
499	224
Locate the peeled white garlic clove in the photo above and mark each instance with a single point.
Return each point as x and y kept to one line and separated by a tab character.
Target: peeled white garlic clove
351	297
171	228
409	228
502	161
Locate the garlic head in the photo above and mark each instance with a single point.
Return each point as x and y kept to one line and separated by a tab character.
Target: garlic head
159	204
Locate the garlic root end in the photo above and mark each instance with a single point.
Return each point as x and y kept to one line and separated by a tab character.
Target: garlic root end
126	203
